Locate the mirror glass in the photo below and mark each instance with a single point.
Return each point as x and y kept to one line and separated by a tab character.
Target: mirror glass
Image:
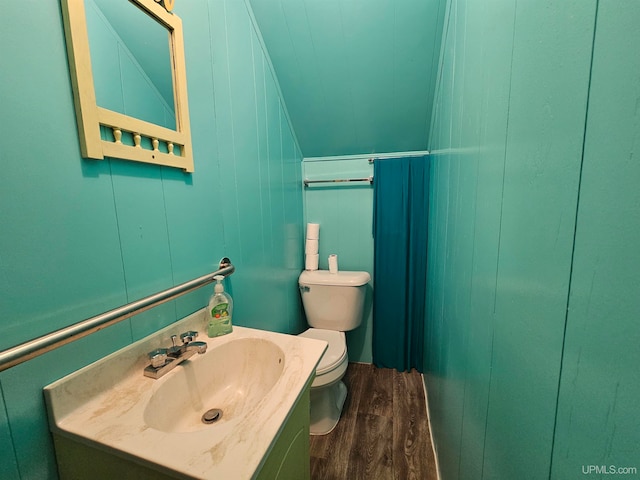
131	61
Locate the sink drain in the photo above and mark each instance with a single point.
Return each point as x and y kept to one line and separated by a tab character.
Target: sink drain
212	416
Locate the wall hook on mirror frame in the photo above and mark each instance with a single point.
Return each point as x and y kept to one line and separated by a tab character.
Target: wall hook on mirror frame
167	4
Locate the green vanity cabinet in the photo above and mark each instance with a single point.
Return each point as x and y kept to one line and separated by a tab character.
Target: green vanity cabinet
78	461
287	459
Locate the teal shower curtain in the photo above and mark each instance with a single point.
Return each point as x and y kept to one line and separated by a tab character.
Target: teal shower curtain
400	219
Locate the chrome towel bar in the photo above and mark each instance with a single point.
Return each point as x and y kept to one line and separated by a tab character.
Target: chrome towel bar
338	180
33	348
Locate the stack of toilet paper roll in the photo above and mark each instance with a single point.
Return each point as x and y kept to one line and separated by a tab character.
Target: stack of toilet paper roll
311	246
311	250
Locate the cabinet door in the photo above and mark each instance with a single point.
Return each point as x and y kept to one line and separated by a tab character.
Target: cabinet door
295	463
289	457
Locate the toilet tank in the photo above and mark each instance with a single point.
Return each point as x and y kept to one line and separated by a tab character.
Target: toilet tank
333	301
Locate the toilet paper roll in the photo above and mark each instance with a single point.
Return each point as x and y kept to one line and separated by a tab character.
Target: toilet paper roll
333	263
311	262
313	231
311	246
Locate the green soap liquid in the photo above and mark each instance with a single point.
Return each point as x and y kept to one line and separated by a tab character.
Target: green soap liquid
219	321
219	327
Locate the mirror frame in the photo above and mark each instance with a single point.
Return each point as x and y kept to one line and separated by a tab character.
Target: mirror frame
90	116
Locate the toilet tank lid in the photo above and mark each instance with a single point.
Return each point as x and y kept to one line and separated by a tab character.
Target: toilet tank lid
342	278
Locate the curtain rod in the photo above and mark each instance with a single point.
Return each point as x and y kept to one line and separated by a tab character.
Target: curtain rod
36	347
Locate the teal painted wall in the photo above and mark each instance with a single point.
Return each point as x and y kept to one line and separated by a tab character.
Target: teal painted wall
80	237
598	417
508	390
344	212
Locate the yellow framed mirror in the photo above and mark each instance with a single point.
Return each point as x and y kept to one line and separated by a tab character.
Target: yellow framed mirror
125	131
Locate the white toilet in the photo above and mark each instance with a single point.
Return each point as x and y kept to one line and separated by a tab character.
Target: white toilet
333	303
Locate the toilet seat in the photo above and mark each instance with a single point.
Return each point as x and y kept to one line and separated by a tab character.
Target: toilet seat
336	353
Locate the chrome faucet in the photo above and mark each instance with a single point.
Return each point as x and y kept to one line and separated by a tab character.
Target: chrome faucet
163	360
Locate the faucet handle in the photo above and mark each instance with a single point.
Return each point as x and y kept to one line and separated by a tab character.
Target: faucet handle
174	349
188	337
158	357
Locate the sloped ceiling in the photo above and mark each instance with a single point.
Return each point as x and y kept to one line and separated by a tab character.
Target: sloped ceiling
357	76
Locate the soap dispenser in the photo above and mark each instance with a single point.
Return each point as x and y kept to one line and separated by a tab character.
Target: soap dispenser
219	311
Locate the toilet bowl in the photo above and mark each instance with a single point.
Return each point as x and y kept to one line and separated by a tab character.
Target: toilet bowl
333	304
328	392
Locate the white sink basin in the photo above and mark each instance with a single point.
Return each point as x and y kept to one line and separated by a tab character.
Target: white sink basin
254	377
232	379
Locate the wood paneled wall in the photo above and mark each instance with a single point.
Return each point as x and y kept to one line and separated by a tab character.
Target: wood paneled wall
528	135
79	237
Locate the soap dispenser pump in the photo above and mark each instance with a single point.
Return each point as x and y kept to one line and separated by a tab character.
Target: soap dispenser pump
219	311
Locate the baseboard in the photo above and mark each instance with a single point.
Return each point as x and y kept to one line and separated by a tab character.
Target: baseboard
433	444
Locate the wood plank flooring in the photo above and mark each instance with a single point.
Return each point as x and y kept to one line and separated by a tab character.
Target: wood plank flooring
383	433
